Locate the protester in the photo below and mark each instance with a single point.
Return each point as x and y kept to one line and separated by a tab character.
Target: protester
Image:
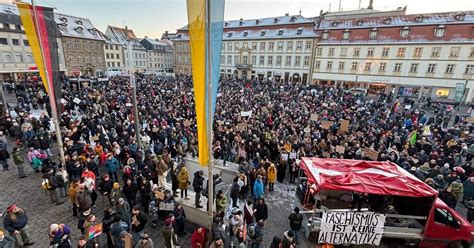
16	223
59	236
168	232
198	182
260	210
296	221
145	242
180	217
183	178
199	238
221	201
7	241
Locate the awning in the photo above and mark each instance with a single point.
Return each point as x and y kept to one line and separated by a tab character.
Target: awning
382	178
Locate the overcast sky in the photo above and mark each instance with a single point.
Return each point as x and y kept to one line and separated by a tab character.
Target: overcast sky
152	17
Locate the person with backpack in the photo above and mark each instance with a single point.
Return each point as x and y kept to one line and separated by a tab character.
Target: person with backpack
51	185
59	235
19	160
4	155
296	220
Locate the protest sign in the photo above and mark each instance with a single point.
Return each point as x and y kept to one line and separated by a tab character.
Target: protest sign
351	228
293	155
325	104
326	124
187	123
159	195
76	100
330	136
344	126
163	206
370	153
94	231
314	117
360	134
246	113
340	149
326	155
470	119
284	156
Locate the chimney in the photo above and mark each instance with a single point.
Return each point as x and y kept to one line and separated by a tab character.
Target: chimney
287	14
126	28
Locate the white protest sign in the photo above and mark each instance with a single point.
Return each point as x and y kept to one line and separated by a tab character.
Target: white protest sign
246	113
351	228
76	100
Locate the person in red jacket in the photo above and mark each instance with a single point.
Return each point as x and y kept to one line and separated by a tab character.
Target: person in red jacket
199	238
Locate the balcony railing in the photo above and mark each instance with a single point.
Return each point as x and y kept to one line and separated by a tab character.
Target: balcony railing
243	66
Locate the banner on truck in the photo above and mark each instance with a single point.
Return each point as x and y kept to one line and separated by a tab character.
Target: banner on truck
351	228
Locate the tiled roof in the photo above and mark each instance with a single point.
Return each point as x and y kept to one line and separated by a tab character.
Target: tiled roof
79	27
123	35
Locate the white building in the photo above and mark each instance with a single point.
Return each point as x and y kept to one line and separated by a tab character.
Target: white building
113	54
127	38
409	55
16	58
277	48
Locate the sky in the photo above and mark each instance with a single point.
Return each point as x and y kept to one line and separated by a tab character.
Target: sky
152	17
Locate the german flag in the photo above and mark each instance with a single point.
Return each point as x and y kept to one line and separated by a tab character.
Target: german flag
42	34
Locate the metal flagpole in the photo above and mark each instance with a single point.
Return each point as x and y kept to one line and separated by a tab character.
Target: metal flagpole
52	102
133	84
210	185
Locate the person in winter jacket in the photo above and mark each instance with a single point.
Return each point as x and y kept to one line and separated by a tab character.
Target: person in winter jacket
83	216
15	222
174	180
45	144
271	176
258	188
51	185
19	161
168	232
296	221
4	155
130	190
457	190
198	183
199	238
248	212
72	195
183	178
105	186
123	209
145	242
260	210
112	165
6	241
234	192
180	217
115	194
468	186
288	240
161	170
59	235
221	201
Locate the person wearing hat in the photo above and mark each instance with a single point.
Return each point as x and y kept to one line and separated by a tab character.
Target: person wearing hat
19	160
168	232
16	223
112	165
199	238
83	218
6	241
84	242
296	221
288	240
145	242
59	235
105	186
123	209
183	178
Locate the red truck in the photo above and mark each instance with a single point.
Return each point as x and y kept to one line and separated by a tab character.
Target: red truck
415	215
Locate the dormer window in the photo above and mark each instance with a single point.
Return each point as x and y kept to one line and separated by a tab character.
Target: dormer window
345	34
226	24
79	22
359	22
459	17
241	22
257	22
276	20
419	18
334	23
300	31
263	32
440	31
62	27
387	20
63	19
229	34
79	30
325	35
179	35
280	32
405	32
246	33
373	34
293	19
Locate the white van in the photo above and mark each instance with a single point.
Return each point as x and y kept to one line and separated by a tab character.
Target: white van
111	72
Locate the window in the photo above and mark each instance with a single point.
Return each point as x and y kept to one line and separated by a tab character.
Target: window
279	60
254	45
236	45
431	68
454	52
280	45
354	66
117	56
280	32
398	67
87	59
245	45
469	69
414	68
79	59
382	66
343	52
29	58
325	35
71	58
370	52
299	45
439	31
341	65
368	66
308	44
261	60
450	68
118	63
401	52
270	61
288	61
356	52
317	64
270	45
229	59
442	216
3	41
229	47
306	61
373	34
385	51
236	59
435	51
297	61
472	52
262	46
222	59
77	44
289	46
7	57
319	51
19	58
418	52
107	47
405	32
107	56
15	42
345	34
331	51
329	65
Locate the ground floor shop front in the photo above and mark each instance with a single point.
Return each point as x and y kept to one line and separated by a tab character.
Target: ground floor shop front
279	75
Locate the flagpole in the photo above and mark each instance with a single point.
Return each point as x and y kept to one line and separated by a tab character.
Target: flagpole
133	85
210	185
52	102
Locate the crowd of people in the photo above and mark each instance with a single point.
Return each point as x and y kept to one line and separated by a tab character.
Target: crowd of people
264	127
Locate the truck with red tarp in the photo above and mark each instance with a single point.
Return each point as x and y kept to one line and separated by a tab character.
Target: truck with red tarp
415	215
